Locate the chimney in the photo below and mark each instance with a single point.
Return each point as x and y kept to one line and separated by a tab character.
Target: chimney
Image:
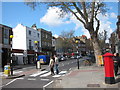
34	26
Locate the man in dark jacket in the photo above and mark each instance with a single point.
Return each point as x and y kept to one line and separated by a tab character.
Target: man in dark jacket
116	63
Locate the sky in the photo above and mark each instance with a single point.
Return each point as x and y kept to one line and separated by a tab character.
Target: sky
14	13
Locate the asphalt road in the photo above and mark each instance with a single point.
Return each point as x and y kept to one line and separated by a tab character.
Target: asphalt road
39	79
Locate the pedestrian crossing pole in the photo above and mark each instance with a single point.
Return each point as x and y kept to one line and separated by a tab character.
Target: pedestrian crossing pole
11	61
77	53
38	65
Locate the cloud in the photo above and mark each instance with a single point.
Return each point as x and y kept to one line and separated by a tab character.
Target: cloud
56	36
113	15
52	18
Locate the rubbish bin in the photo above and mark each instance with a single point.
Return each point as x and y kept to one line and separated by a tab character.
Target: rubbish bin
7	70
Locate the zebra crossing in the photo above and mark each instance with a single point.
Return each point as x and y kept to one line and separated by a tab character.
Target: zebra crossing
47	73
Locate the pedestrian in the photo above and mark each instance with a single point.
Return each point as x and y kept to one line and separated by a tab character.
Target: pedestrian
116	63
51	65
56	64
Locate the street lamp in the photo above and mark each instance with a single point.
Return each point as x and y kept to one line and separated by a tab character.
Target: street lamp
11	61
38	65
77	53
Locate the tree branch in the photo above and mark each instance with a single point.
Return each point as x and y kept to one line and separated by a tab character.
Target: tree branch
92	14
79	11
85	12
74	14
98	21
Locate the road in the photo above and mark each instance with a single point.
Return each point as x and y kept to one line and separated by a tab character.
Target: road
38	79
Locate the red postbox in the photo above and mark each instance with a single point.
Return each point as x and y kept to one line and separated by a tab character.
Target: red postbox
109	68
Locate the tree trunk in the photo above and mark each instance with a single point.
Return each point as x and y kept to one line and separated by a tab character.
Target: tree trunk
96	47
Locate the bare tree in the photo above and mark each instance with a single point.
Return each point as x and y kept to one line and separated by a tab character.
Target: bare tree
66	40
102	36
86	13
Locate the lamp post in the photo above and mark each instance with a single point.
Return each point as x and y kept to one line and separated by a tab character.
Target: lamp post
11	61
77	53
38	65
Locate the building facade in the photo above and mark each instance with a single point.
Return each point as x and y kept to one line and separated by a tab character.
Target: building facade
118	35
5	32
46	41
115	39
23	39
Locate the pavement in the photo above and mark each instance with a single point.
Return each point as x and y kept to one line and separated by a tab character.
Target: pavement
88	77
18	67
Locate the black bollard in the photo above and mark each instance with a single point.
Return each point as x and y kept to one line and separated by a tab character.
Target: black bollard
78	63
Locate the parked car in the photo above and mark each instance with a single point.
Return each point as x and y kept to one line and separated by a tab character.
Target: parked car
76	57
61	58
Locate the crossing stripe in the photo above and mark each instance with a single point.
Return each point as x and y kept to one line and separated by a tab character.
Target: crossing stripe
38	73
16	72
56	76
63	72
45	75
31	78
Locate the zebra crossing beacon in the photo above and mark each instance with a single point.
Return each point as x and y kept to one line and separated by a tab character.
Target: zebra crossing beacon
38	64
11	61
109	68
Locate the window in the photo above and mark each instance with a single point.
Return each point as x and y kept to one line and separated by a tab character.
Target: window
46	36
6	36
38	34
29	42
38	43
29	32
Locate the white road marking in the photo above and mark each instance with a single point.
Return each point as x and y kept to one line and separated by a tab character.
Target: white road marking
47	85
63	72
16	72
47	74
38	73
56	76
31	78
20	78
45	79
10	82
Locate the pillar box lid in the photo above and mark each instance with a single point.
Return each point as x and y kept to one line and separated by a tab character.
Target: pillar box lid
108	55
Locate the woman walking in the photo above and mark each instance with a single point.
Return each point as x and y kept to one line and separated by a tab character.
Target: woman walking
51	65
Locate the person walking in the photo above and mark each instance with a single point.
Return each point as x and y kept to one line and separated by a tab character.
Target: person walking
51	65
116	63
56	64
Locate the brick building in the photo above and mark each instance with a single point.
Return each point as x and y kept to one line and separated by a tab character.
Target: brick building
5	32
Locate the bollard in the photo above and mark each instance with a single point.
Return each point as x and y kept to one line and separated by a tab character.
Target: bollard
7	70
78	63
38	65
109	68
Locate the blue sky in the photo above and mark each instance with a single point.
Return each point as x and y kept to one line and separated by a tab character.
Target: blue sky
14	13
